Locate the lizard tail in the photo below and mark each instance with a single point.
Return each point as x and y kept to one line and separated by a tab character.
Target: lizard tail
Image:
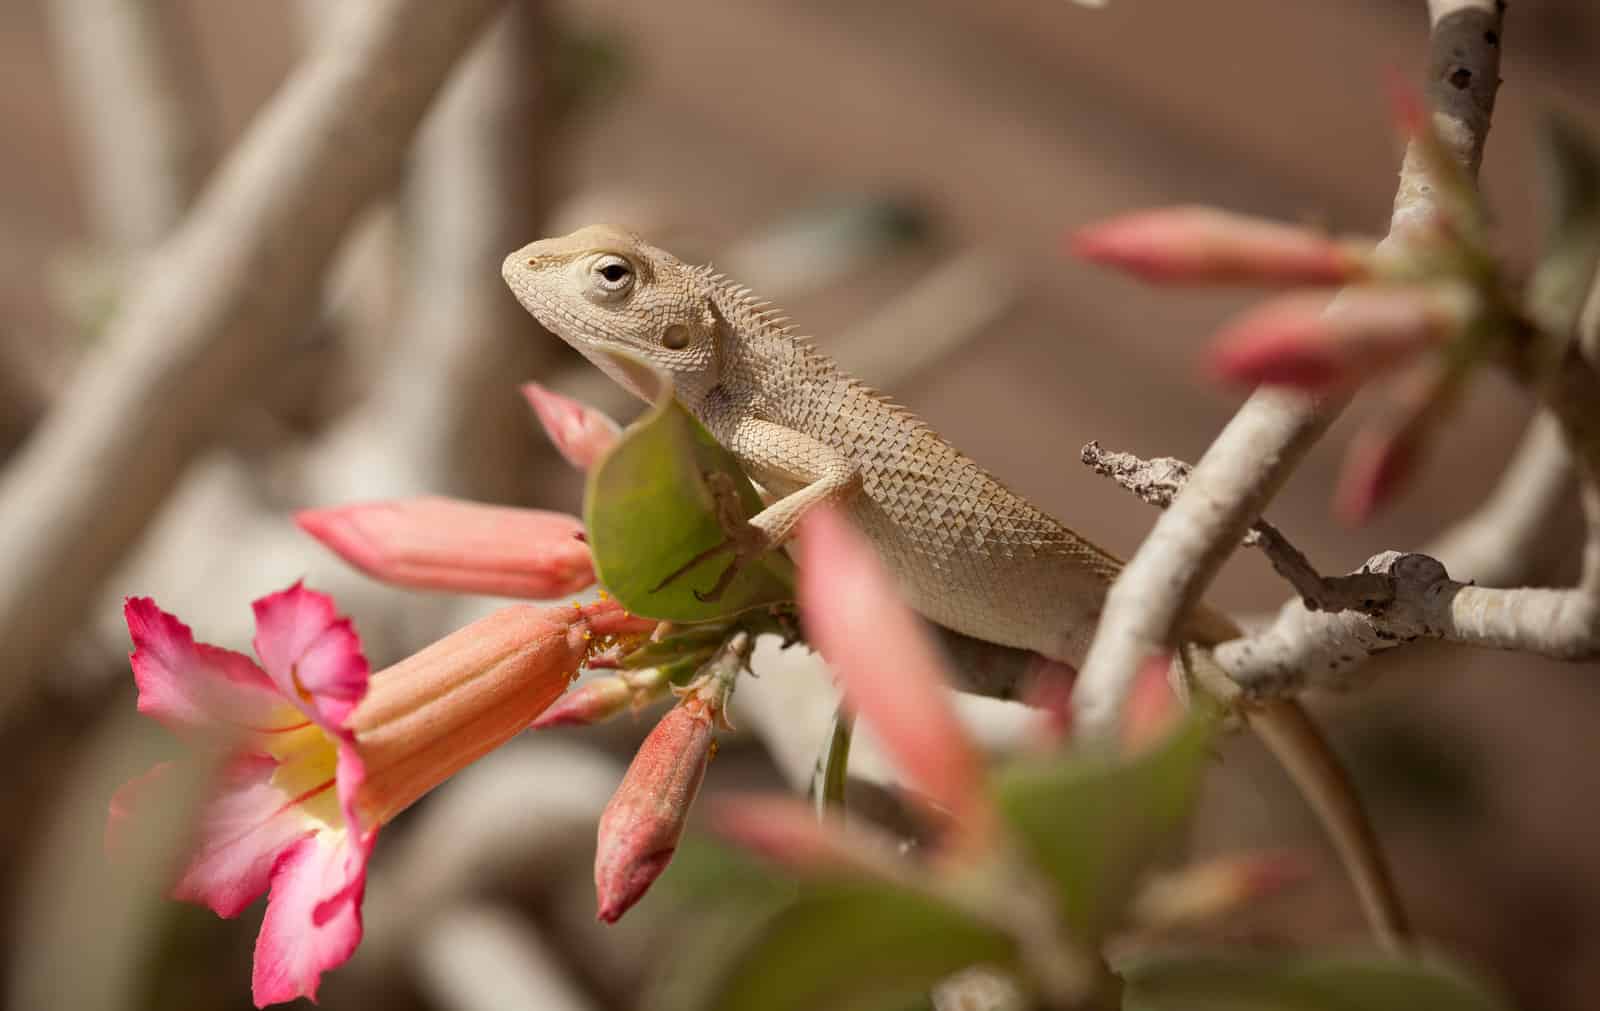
1301	748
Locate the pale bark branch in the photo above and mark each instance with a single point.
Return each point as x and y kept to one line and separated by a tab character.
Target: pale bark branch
243	271
1267	438
130	74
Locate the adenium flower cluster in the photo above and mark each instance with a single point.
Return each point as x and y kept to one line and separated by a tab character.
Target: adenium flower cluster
313	753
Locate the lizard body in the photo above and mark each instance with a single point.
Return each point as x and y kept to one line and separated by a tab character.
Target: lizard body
968	553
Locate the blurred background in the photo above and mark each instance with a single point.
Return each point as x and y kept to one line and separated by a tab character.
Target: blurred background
900	176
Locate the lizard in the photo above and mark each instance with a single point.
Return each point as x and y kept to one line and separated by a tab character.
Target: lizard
969	554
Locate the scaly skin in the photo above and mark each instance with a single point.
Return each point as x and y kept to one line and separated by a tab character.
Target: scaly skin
968	553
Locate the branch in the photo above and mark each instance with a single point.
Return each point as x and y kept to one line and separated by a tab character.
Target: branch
128	70
243	270
1271	433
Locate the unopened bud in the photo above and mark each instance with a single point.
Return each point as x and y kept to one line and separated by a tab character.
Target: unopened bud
580	433
436	543
1203	892
1204	245
640	827
1301	340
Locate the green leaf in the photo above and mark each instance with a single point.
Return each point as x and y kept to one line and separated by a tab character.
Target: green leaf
649	509
1321	982
1093	821
845	945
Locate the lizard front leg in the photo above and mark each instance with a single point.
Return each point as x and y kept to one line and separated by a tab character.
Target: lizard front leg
771	451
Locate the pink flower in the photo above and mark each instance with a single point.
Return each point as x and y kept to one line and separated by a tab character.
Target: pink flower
319	755
449	544
580	433
1204	245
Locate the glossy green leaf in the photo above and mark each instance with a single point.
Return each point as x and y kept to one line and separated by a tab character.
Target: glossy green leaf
1093	821
1219	982
649	509
841	945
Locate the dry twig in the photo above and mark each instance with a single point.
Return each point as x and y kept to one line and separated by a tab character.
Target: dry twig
242	271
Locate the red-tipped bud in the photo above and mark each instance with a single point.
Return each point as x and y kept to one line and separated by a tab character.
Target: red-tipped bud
1153	708
1204	245
1300	340
1377	466
640	828
580	433
464	547
600	699
1203	892
787	832
591	702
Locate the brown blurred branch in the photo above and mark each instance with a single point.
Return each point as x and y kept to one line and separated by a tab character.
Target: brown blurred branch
242	271
1253	456
129	72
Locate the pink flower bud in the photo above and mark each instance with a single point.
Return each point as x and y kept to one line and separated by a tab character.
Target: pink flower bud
1202	892
640	827
854	616
591	702
786	831
1377	466
1204	245
580	433
1301	340
1152	708
465	547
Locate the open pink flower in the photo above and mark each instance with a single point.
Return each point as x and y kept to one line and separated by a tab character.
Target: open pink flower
319	754
283	813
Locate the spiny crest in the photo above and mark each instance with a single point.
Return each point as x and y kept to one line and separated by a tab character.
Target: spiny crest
748	312
760	317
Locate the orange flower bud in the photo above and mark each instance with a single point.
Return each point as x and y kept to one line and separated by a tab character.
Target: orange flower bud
449	544
640	827
1204	245
434	712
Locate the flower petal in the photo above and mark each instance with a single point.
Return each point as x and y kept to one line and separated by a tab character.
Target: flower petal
888	667
580	433
313	920
437	543
312	654
244	828
191	686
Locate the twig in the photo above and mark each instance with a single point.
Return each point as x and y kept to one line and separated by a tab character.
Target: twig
484	958
129	71
1507	538
1267	438
243	270
1157	481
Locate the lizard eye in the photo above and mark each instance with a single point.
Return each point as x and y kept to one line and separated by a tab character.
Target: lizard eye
612	274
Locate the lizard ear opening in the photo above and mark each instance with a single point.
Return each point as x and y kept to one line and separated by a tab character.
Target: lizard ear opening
676	337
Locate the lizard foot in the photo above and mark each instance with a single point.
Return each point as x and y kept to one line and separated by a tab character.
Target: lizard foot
744	541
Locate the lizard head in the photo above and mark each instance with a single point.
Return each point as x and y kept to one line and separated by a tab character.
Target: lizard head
604	290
